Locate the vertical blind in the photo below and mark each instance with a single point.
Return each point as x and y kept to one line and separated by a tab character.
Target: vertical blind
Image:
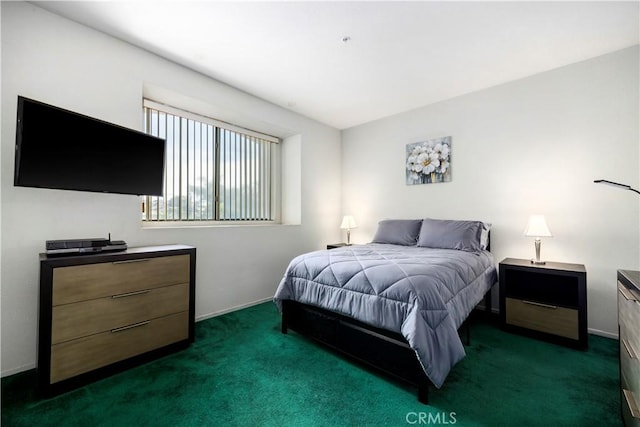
213	171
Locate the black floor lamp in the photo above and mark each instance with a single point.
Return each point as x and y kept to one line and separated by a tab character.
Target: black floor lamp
616	184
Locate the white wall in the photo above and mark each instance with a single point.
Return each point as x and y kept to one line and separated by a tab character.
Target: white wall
54	60
530	146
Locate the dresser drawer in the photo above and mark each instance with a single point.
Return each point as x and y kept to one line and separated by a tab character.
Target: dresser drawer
629	313
83	282
70	321
82	355
630	364
543	318
630	403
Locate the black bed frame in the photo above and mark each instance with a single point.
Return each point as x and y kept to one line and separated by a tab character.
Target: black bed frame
386	351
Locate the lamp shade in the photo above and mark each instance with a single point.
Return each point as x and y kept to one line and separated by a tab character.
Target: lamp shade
537	227
348	222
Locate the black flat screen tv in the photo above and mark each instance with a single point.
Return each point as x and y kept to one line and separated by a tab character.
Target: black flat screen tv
60	149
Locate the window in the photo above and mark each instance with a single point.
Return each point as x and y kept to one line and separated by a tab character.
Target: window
213	171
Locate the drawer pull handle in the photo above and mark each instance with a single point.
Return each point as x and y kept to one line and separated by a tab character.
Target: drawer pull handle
135	325
630	351
631	403
131	261
130	294
538	304
626	293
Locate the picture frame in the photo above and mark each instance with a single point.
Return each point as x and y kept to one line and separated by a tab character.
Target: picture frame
429	161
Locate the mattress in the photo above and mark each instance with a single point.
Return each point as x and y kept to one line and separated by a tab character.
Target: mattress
425	294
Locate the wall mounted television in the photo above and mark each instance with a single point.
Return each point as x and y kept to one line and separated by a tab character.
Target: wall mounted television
60	149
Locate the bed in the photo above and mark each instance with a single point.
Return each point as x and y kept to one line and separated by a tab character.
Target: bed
396	303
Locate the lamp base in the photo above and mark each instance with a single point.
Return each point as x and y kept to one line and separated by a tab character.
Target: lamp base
537	260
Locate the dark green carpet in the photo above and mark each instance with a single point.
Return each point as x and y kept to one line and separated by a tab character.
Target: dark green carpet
242	371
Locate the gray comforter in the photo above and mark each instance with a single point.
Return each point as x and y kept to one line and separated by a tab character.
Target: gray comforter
424	294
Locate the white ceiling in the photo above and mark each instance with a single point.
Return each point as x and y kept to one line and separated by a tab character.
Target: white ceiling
401	55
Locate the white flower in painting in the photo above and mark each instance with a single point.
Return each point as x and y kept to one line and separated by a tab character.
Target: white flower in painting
426	163
411	162
435	157
426	158
423	161
414	165
444	151
444	166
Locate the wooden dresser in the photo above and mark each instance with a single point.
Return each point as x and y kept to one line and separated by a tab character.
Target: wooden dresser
103	313
629	332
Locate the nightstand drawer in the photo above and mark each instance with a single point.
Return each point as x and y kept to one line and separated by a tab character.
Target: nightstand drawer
543	318
75	357
90	317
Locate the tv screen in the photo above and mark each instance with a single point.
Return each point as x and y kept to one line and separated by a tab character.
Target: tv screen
60	149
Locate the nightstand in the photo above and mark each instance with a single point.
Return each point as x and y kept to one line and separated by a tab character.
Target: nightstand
336	245
546	301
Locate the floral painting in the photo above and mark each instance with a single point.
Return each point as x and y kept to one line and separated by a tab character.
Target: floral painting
429	161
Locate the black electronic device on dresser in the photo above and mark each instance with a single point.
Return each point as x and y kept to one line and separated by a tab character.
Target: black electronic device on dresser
83	246
546	301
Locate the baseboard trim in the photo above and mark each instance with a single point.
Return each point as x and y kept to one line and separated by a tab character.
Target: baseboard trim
18	370
603	333
231	309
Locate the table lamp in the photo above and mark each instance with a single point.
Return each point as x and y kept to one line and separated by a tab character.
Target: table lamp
537	227
348	223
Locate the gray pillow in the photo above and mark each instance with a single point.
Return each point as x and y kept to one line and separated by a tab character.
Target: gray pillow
484	235
398	231
451	234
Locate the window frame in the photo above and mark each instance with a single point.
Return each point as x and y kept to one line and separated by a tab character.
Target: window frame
274	190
